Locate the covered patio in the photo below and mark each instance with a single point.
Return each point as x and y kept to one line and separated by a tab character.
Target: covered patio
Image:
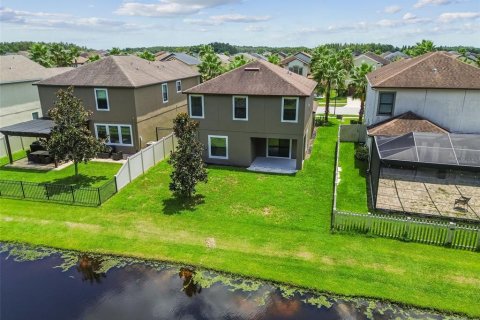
273	165
37	128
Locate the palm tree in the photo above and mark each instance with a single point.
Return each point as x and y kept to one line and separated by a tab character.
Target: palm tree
237	61
205	49
40	53
210	67
346	58
274	58
147	55
422	47
329	72
359	82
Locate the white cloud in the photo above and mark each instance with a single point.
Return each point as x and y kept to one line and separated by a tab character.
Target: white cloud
448	17
254	28
392	9
227	18
409	16
423	3
169	7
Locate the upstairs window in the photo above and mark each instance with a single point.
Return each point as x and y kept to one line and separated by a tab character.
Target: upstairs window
101	98
240	108
289	109
196	106
178	84
386	102
165	92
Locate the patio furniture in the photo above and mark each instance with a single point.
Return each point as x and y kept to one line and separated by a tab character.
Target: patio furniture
36	146
41	156
117	155
462	201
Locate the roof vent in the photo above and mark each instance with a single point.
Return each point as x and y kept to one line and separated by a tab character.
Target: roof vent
434	70
252	69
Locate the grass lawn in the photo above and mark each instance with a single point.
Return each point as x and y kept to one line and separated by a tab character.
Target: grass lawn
91	174
352	189
268	226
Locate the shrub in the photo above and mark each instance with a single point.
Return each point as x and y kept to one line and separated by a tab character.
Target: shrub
361	153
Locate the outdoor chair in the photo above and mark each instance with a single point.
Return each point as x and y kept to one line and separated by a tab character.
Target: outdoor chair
462	201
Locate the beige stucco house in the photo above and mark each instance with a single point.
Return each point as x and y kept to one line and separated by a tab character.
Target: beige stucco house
129	97
298	63
258	112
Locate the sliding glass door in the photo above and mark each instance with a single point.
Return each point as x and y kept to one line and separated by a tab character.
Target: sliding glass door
278	148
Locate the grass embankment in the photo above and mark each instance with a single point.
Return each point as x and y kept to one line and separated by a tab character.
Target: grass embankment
273	227
92	174
352	189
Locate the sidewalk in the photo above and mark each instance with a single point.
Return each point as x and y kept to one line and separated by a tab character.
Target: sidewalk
352	107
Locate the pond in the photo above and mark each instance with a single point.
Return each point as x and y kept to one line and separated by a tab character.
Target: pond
43	283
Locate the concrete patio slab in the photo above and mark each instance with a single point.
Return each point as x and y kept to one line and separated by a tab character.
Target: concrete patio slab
273	165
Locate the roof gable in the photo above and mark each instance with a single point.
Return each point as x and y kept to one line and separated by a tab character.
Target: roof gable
403	124
434	70
258	78
372	56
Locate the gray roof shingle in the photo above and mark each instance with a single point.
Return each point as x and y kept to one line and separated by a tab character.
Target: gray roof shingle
17	68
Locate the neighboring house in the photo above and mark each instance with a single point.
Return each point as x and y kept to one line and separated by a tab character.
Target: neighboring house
259	56
397	55
256	111
298	63
434	86
223	58
129	97
19	100
247	56
182	57
79	61
370	58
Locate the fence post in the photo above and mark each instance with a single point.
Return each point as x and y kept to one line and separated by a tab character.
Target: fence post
369	222
163	143
477	246
99	197
141	158
116	185
407	229
46	192
129	174
450	234
23	191
73	193
173	142
153	152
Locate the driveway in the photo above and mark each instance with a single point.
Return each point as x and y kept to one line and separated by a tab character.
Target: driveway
352	108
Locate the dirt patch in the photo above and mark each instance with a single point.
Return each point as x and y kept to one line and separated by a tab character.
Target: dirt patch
267	211
475	282
305	255
210	243
83	226
328	261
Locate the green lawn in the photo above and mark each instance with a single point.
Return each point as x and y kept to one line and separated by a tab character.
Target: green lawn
267	226
91	174
352	189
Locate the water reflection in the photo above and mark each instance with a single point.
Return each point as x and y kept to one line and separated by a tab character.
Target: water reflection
190	286
89	268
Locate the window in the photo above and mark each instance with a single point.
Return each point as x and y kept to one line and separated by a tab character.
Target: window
179	86
278	148
218	147
115	134
101	98
165	92
196	106
386	102
289	109
34	115
296	69
240	108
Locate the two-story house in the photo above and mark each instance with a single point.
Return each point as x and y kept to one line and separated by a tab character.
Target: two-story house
19	100
370	58
433	87
298	63
257	111
129	97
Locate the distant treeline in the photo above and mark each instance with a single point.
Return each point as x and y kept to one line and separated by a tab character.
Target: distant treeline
14	47
220	47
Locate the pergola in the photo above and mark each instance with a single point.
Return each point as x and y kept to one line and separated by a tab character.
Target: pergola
38	128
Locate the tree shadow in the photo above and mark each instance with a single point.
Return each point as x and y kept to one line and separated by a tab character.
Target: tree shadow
175	205
79	181
190	287
244	170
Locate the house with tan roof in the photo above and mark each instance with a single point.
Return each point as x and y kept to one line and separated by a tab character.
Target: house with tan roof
433	87
259	116
131	99
370	58
19	100
298	63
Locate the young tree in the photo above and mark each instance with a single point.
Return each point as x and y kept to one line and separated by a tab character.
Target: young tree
70	138
147	55
274	58
422	47
210	66
238	61
188	166
40	53
359	82
329	71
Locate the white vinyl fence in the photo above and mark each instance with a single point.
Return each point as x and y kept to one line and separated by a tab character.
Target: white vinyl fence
143	160
16	144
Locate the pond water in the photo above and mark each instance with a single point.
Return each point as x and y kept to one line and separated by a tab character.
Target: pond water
42	283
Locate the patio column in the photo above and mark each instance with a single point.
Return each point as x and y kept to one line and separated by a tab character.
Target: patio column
9	150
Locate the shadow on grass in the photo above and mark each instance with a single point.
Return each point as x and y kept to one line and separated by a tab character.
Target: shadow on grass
244	170
12	169
79	181
175	205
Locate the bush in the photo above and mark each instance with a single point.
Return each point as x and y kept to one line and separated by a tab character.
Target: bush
319	121
353	121
361	153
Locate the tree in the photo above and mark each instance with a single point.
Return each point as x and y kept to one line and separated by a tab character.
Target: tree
422	47
237	61
329	71
274	58
188	166
210	65
147	55
360	82
70	138
93	58
115	51
40	53
205	50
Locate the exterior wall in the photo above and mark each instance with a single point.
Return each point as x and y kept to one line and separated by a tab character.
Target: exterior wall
121	102
455	110
17	102
264	121
152	112
364	59
306	67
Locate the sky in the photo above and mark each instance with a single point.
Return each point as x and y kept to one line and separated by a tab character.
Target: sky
137	23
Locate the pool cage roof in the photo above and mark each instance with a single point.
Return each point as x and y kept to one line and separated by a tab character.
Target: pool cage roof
456	150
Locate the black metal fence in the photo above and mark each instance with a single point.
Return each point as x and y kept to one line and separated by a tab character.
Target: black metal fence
87	196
